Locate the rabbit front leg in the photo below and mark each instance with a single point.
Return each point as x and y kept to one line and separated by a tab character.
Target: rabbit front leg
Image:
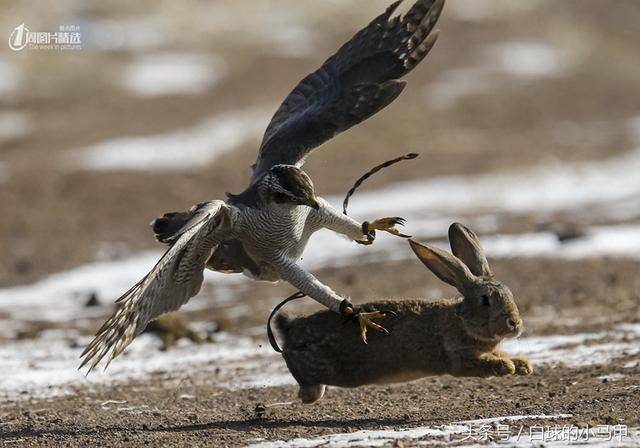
486	365
522	365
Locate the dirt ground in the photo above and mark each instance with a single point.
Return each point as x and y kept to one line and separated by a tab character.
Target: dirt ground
224	418
57	216
181	409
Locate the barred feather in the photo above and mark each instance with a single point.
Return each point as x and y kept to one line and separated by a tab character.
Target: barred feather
358	81
171	283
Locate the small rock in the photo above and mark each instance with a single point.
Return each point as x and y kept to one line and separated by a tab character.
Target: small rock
610	420
564	231
260	411
23	267
92	300
172	327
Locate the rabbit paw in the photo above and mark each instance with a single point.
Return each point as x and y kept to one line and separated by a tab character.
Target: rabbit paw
523	367
386	225
501	367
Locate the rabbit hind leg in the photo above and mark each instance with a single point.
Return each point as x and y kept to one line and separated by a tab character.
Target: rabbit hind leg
311	394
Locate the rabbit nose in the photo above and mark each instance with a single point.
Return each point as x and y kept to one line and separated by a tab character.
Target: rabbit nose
513	324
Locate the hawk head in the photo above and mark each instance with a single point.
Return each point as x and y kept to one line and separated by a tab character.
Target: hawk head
288	184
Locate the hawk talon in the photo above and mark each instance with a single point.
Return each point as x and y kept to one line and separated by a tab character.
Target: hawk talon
386	225
364	319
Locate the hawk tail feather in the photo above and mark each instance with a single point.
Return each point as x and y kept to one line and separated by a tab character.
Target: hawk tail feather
118	331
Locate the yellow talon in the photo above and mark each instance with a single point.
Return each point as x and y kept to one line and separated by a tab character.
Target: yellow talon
389	225
365	320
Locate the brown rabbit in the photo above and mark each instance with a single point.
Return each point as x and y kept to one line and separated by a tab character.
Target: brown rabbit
459	336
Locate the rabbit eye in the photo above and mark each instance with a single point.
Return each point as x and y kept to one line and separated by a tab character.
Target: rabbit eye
485	300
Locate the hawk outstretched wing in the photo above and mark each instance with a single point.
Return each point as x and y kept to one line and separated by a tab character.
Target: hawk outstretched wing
171	283
352	85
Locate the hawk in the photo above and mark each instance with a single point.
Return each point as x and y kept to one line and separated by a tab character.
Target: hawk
262	232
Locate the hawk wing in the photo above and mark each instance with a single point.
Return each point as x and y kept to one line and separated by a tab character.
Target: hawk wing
171	283
351	86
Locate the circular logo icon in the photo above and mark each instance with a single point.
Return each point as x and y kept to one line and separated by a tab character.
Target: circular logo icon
18	38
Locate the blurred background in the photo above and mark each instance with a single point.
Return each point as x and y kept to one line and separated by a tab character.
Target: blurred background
165	104
526	115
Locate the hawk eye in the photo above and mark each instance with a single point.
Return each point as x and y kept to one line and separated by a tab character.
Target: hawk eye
280	197
485	300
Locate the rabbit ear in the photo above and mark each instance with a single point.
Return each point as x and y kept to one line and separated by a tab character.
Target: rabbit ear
446	267
465	245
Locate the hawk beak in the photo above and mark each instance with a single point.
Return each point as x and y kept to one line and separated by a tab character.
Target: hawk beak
313	203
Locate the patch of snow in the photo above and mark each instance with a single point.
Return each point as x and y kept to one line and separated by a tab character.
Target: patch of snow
69	290
577	350
178	150
455	84
9	77
292	40
609	241
612	377
125	34
172	73
47	366
527	59
289	32
380	437
387	436
570	436
499	64
476	11
542	189
13	125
